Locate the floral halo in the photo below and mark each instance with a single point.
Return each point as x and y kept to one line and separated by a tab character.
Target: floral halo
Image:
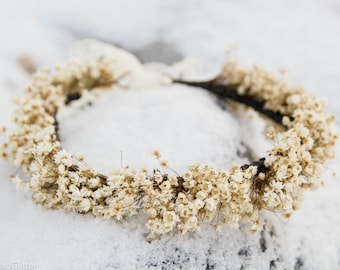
277	182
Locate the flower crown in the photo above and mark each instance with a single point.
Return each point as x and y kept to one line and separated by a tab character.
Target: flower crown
277	182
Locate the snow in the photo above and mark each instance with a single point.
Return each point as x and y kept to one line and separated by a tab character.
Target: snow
187	125
137	122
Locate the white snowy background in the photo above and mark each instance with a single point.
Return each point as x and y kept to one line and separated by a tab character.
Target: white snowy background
186	125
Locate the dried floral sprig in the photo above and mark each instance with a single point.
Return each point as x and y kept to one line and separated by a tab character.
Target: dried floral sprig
60	179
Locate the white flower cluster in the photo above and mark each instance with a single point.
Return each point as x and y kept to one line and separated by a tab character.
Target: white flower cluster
297	160
201	194
61	179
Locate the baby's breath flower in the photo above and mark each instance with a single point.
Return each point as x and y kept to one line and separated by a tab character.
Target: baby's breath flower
157	154
85	205
63	157
19	184
210	205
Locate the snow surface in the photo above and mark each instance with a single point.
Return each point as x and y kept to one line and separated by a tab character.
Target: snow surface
187	125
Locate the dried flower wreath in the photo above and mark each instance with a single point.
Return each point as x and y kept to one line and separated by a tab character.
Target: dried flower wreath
276	182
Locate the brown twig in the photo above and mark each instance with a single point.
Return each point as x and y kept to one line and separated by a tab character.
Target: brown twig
230	92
